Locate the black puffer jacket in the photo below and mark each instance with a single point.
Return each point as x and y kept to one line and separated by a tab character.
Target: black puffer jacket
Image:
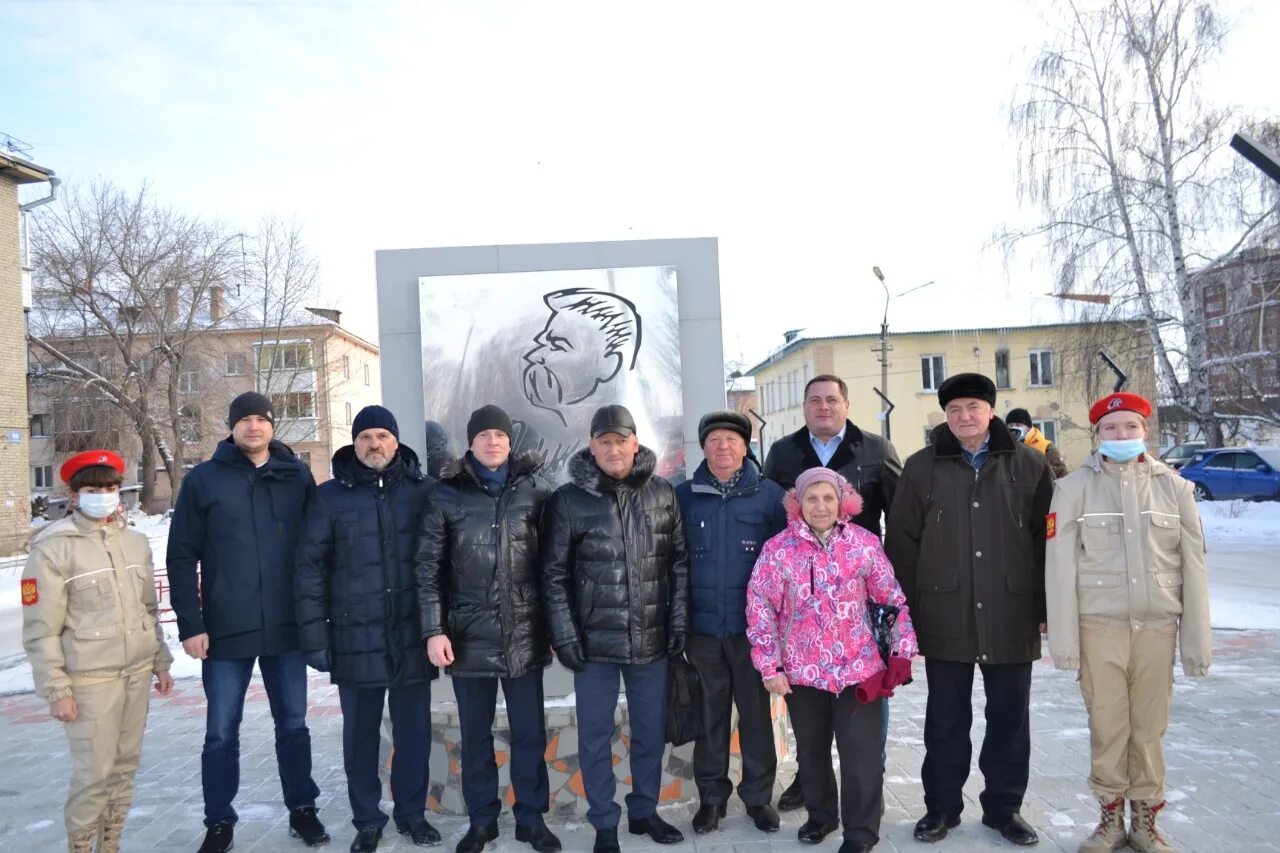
615	566
478	576
969	550
355	584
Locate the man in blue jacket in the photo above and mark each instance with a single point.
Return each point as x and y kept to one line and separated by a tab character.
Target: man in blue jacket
358	620
729	512
237	520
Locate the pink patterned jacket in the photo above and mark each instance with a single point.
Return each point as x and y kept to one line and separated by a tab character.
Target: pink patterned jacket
807	605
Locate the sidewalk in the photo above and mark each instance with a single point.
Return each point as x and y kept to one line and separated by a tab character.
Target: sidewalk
1223	754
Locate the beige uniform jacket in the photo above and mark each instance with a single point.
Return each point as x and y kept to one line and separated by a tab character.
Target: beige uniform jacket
89	605
1125	545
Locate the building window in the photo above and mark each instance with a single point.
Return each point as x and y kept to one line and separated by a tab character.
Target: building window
346	367
1002	368
42	476
305	457
366	375
933	369
290	406
41	426
928	436
188	382
1048	428
237	364
348	413
285	357
189	424
1041	368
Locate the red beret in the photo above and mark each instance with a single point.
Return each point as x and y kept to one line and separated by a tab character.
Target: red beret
1121	401
87	459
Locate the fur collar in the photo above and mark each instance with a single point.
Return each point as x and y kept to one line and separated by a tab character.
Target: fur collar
945	442
586	475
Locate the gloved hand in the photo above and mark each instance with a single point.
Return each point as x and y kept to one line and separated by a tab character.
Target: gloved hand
899	673
871	689
676	644
318	659
571	658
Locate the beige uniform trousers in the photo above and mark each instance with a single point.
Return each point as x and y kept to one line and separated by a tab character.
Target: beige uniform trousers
1126	677
106	746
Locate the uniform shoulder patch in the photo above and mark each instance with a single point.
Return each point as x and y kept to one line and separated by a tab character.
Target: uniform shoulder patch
30	593
1050	525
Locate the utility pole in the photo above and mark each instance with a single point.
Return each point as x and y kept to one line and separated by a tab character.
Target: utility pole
882	352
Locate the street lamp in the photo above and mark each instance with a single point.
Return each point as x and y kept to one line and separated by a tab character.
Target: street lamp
886	406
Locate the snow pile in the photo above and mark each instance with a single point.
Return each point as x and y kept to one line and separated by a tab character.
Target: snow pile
1240	521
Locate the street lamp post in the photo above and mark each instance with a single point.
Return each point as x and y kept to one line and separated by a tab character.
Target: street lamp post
883	348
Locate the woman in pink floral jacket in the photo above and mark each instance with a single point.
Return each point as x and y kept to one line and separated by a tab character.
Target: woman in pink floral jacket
811	640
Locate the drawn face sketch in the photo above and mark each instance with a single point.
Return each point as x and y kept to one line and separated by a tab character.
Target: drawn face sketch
590	337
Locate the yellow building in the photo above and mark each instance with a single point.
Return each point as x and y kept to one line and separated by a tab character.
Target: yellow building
1052	371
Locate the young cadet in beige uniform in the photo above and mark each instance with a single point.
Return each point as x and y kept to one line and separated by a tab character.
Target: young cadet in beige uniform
89	627
1125	578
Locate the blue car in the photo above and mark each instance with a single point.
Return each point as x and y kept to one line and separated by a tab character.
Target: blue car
1230	473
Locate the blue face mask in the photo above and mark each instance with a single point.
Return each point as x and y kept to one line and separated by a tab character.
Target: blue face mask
1123	449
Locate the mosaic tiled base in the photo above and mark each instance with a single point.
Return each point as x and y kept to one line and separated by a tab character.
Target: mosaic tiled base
567	794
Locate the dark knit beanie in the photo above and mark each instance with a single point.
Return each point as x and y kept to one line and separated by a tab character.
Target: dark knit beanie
374	417
971	386
488	417
249	403
1018	416
724	419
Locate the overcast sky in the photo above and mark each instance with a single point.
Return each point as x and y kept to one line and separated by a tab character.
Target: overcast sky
813	139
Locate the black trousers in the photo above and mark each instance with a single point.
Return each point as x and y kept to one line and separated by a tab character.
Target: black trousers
728	678
1005	759
362	738
816	715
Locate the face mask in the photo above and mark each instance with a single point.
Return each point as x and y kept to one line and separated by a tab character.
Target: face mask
99	504
1019	431
1123	449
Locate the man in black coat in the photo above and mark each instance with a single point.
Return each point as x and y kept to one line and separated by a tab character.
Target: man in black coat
966	536
616	586
230	563
479	587
358	620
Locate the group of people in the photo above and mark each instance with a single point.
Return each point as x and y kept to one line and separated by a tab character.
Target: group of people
771	582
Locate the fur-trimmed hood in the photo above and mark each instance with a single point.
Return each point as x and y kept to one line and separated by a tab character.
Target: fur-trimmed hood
850	503
462	469
945	442
586	475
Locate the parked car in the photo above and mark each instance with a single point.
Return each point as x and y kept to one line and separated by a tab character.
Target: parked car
1229	473
1181	454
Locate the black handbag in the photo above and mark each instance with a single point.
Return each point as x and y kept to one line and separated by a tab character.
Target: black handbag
882	618
684	702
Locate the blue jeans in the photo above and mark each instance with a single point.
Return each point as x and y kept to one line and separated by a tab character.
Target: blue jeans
225	682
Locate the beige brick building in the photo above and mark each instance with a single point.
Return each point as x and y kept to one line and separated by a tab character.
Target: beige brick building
15	502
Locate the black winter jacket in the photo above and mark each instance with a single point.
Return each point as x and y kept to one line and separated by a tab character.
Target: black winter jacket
867	461
968	548
615	567
725	533
355	588
239	524
479	581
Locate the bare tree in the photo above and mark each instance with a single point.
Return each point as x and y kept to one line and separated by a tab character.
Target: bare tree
1129	165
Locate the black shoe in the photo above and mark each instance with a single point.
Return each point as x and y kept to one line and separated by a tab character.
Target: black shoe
792	798
707	818
606	841
304	824
422	833
366	840
764	817
856	847
934	827
476	838
656	828
218	838
537	836
1013	829
812	832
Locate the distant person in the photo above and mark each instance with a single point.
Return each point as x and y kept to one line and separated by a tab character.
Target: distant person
231	569
1126	583
437	450
1020	424
87	589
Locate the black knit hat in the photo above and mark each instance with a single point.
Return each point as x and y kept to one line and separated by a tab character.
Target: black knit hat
488	417
1018	416
724	419
249	403
374	417
967	385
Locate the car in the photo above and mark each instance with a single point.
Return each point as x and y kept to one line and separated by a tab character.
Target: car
1181	454
1235	473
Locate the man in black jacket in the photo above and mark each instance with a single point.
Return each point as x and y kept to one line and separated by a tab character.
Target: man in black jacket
237	519
358	619
829	439
966	536
479	585
616	586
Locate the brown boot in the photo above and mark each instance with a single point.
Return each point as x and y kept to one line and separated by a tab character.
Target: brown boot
82	842
1143	834
1109	834
112	829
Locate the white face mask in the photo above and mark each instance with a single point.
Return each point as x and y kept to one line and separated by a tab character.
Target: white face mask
99	504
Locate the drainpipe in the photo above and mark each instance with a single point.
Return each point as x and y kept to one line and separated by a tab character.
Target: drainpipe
54	183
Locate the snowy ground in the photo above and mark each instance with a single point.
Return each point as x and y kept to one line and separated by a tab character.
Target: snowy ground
1244	582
